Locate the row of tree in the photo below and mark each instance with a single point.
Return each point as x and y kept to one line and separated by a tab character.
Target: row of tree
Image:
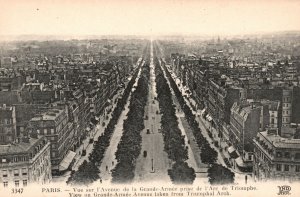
88	171
129	146
174	143
208	154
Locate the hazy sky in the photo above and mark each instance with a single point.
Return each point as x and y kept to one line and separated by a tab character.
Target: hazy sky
93	17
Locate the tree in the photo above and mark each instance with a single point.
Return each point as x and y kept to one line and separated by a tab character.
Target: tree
181	173
208	155
220	175
86	174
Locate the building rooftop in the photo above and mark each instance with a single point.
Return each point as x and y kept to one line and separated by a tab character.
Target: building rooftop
280	142
19	148
51	114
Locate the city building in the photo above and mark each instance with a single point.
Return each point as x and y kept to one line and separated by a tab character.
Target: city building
8	130
25	161
287	96
11	81
244	125
55	125
219	102
275	157
6	62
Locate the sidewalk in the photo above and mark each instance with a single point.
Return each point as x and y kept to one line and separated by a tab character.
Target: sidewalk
85	145
194	151
95	133
206	125
109	160
203	127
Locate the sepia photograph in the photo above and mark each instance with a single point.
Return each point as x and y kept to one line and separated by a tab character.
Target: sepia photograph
149	98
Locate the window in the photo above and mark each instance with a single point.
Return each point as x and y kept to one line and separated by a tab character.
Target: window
287	155
52	131
5	184
24	183
53	146
4	173
297	169
278	167
278	154
17	183
250	157
2	138
38	131
16	172
286	167
24	171
45	132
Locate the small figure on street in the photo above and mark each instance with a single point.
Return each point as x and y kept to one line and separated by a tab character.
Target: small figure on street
100	180
112	163
106	168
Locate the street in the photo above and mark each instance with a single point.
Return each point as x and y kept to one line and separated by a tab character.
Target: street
155	165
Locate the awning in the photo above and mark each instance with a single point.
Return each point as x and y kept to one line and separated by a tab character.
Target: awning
239	161
65	163
231	149
232	152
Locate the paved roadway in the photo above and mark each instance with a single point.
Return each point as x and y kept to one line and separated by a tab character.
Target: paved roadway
156	164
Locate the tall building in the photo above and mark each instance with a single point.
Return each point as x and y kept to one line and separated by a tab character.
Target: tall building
275	157
59	131
220	100
25	161
8	131
287	96
244	124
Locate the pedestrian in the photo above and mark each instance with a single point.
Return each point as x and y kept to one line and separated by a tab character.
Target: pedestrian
100	180
106	168
112	163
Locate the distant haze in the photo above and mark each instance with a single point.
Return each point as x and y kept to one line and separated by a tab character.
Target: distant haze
147	17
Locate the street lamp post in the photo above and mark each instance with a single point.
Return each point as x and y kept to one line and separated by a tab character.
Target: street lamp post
152	165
